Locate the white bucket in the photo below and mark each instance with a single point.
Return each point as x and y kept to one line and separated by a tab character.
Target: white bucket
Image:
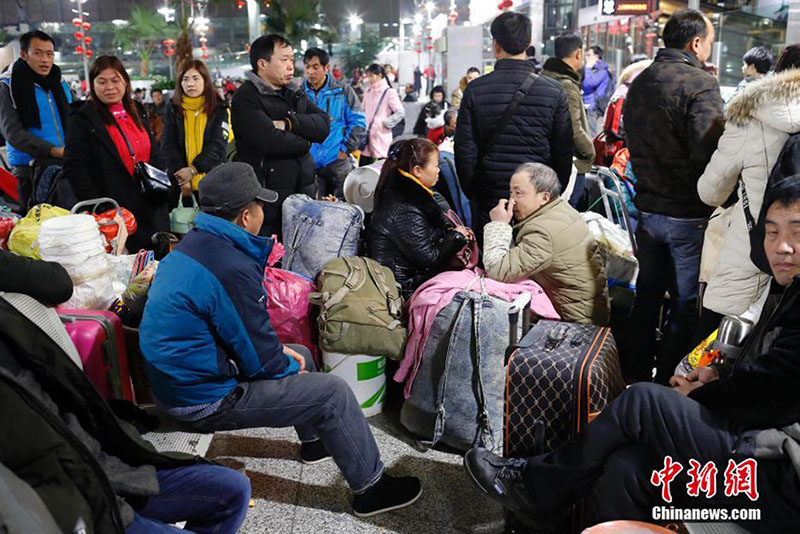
365	375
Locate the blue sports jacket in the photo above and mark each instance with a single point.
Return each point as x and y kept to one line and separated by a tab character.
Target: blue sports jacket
51	130
348	123
206	326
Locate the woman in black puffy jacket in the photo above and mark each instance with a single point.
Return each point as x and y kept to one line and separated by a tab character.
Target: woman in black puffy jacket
409	232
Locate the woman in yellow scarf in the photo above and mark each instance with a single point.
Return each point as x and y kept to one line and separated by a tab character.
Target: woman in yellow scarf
196	127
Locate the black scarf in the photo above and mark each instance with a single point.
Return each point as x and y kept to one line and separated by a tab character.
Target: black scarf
23	93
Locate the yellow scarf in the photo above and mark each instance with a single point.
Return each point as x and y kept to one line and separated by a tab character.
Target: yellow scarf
415	180
194	125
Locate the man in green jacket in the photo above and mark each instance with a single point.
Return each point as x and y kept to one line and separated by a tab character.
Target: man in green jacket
552	246
564	68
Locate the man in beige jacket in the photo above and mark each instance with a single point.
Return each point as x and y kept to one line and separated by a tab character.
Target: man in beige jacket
553	247
564	68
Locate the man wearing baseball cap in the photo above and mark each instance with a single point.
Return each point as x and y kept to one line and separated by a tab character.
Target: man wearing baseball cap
215	362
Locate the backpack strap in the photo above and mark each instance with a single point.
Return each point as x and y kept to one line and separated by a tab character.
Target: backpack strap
353	280
395	304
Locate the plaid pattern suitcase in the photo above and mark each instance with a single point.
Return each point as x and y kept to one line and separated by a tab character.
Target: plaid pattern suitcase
559	376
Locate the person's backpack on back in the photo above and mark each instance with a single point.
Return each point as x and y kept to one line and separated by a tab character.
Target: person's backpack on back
613	126
360	308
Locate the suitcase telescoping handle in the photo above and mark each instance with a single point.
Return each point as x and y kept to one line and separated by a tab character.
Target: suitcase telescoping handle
520	306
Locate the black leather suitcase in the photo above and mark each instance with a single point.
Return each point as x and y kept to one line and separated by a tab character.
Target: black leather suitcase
559	377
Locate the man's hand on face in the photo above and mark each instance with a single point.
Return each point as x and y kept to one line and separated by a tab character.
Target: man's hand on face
503	212
280	125
57	152
296	356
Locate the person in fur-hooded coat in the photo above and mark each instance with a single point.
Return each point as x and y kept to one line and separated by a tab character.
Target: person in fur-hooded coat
760	118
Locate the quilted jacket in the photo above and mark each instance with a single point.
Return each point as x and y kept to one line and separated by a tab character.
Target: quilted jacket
554	248
410	234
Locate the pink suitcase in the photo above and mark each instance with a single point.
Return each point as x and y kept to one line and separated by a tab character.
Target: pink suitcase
100	341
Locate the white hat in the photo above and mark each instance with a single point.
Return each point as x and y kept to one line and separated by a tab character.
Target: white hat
360	184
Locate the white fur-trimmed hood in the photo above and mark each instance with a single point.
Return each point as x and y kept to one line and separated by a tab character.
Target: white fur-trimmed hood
773	100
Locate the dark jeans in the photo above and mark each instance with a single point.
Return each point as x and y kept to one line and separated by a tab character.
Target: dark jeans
210	498
669	260
330	179
24	175
616	454
577	191
318	405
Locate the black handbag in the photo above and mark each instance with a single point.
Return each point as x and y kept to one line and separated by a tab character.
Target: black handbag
154	183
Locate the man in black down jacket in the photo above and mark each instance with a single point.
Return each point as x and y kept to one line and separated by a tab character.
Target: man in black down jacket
673	119
540	131
275	125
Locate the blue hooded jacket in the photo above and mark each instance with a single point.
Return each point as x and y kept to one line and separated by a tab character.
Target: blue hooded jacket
348	123
598	85
206	326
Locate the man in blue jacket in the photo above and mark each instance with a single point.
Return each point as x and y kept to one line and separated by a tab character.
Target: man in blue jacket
34	103
598	86
215	362
348	124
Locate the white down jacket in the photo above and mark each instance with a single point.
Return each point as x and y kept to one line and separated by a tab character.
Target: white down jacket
760	119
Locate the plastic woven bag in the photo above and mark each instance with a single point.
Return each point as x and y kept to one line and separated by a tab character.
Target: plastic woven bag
7	222
289	308
22	240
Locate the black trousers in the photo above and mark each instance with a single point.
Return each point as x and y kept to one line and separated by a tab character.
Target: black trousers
615	456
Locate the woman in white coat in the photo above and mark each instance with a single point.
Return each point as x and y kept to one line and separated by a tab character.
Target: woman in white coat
760	118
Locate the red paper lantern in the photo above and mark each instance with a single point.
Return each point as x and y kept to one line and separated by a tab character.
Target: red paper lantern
88	53
79	49
203	40
239	4
87	26
419	43
76	22
203	48
78	36
87	40
429	47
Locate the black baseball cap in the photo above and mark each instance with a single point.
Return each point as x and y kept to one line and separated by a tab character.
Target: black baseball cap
231	186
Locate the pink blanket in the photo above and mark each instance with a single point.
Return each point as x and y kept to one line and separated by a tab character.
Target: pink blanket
432	296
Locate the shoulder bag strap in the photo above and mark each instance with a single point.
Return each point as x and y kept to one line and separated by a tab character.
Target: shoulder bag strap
748	214
128	143
522	90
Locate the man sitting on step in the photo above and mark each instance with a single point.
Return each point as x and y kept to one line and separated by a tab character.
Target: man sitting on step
744	416
215	362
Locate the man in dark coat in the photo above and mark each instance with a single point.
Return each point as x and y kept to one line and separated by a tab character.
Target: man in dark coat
673	119
540	131
734	425
274	125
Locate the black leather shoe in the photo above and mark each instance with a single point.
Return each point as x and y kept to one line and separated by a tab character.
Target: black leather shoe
502	480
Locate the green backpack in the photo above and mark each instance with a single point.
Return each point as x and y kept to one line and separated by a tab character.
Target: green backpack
360	308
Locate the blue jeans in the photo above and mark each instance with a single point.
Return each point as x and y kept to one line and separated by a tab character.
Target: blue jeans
318	405
669	260
210	498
